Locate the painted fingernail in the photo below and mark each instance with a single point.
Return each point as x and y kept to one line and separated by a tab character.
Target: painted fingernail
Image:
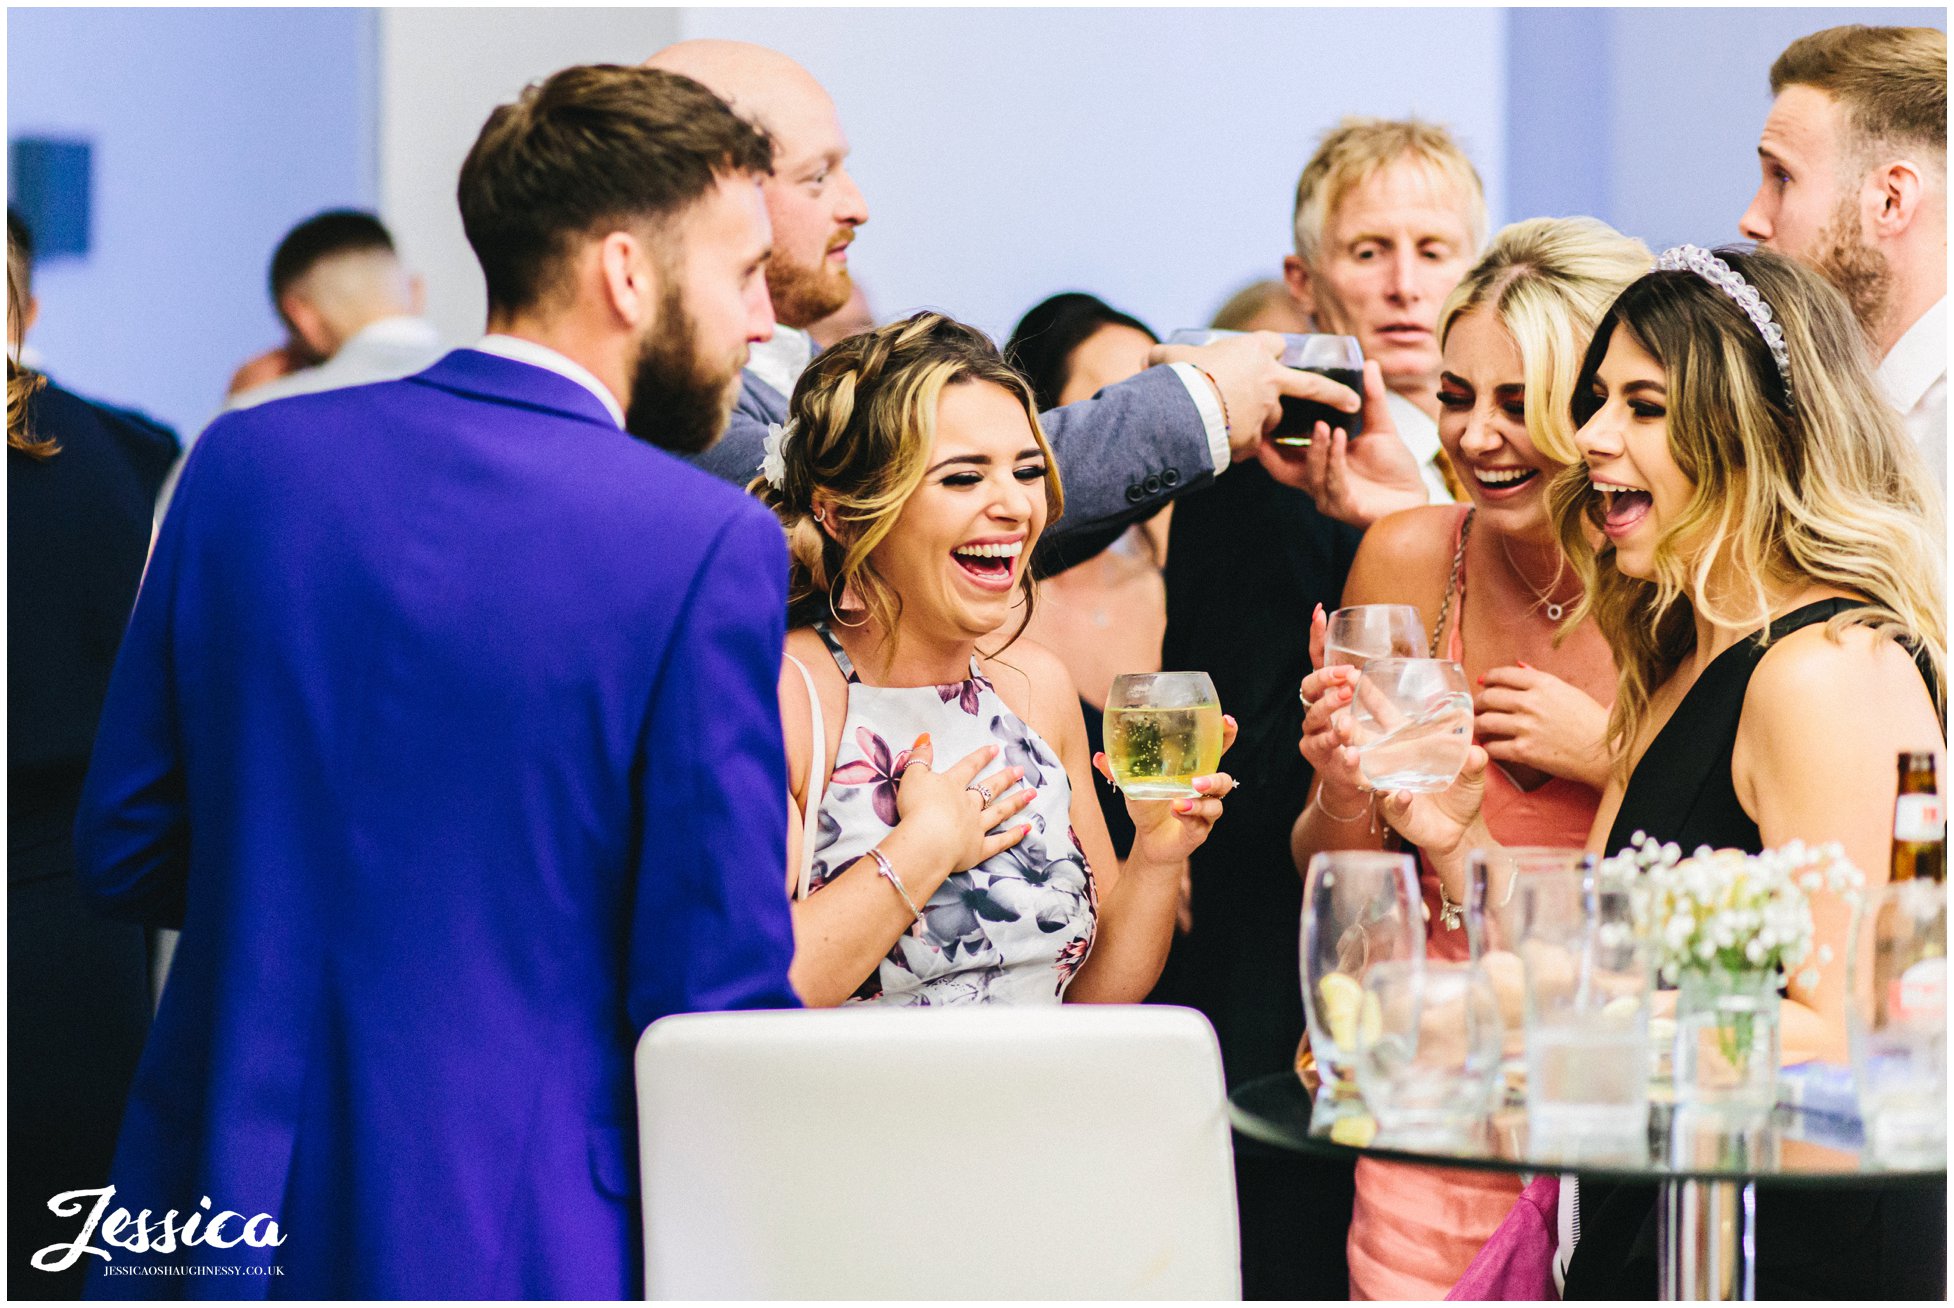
1183	806
921	741
1523	663
1482	680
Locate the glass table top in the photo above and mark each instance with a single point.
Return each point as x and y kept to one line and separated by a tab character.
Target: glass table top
1684	1143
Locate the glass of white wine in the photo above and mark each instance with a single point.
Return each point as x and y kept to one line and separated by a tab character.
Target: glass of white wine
1363	632
1163	729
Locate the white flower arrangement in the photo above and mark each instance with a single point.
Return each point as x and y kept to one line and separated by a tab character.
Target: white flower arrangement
773	456
1725	910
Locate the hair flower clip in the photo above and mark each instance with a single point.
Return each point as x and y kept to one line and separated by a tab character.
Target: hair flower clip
773	458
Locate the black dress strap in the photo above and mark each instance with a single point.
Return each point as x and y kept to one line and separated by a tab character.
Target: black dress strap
839	654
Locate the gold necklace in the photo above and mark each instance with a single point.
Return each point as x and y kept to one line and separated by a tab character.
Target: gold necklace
1554	611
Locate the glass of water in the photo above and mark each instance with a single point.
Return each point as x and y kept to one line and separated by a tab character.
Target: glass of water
1412	721
1428	1060
1362	632
1898	1021
1360	909
1162	730
1496	929
1587	985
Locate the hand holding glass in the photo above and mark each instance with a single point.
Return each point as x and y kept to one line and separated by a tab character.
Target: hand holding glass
1162	730
1340	358
1412	721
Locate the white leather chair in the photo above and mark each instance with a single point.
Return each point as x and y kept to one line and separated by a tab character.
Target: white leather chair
1075	1152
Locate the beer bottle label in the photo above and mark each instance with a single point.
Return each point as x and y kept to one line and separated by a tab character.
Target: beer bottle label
1919	994
1918	818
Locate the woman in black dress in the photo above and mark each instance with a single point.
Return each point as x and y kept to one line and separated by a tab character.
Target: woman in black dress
1761	545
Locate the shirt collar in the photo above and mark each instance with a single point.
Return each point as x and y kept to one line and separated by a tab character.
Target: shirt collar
781	361
1415	427
542	356
401	329
1917	359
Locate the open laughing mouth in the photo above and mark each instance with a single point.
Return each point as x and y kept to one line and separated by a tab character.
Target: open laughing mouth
991	564
1498	482
1623	507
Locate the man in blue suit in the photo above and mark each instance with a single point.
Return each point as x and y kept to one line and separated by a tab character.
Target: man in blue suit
1124	453
446	729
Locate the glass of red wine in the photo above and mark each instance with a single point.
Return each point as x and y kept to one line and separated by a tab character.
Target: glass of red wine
1340	358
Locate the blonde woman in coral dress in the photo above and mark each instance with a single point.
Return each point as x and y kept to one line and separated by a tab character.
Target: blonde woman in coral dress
1492	585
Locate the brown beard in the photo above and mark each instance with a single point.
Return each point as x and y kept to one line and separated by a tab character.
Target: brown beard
1861	273
803	296
679	401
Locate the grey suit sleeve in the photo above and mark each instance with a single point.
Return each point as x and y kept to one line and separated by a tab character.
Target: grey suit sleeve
735	457
1126	451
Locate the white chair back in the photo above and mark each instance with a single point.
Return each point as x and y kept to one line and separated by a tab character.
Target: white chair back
1075	1152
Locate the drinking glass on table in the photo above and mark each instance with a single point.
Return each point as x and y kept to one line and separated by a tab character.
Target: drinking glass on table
1162	730
1587	983
1356	635
1898	1020
1360	908
1412	721
1340	358
1495	927
1427	1050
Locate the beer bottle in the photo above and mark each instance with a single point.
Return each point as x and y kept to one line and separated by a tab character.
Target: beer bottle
1919	822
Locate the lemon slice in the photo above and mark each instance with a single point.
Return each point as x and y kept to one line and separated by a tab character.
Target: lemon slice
1340	998
1354	1131
1621	1008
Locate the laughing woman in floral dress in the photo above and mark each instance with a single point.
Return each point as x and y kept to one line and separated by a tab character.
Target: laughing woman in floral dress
942	843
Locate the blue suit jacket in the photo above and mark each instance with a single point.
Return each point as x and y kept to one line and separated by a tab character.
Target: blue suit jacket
1122	454
446	727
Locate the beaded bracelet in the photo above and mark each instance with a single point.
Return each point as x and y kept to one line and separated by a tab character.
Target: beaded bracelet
889	874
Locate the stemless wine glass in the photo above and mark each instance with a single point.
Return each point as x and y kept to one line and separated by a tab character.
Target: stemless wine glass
1162	730
1427	1052
1362	632
1496	928
1413	723
1360	908
1340	358
1898	1020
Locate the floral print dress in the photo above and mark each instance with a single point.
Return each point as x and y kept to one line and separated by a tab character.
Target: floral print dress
1014	929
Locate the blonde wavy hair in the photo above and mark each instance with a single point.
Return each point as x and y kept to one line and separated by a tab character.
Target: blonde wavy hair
863	418
1818	485
1548	281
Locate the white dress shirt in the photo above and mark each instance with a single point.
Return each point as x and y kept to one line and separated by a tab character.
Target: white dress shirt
1914	375
1420	435
542	356
380	351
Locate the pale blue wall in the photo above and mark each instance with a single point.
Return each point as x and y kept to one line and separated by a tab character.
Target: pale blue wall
1648	118
214	131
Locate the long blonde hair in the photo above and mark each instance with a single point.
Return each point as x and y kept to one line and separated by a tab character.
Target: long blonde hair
1816	483
1548	281
863	422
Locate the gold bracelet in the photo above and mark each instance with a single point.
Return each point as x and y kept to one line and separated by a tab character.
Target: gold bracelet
1324	810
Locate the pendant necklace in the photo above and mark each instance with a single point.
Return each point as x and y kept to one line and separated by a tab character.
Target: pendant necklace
1554	611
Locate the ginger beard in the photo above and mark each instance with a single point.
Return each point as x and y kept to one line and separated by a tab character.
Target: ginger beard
1861	273
679	401
804	294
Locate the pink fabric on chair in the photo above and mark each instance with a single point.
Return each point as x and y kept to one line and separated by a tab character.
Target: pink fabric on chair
1518	1262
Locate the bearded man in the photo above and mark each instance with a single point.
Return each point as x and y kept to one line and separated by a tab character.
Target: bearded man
438	730
1854	157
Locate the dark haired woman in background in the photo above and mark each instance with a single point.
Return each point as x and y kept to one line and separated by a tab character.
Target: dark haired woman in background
1102	604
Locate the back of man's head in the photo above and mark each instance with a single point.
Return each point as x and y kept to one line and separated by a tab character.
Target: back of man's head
1891	83
334	274
590	149
1357	149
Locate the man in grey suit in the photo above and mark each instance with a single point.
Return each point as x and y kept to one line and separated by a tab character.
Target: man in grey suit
1123	452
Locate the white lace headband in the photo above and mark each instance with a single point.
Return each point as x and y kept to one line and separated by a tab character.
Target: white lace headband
1696	259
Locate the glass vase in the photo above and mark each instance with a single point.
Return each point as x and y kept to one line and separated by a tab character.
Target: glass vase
1727	1040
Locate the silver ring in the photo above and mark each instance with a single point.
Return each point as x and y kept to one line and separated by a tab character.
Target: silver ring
982	790
912	763
1308	703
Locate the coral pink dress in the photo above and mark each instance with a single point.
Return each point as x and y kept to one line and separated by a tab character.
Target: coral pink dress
1414	1230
